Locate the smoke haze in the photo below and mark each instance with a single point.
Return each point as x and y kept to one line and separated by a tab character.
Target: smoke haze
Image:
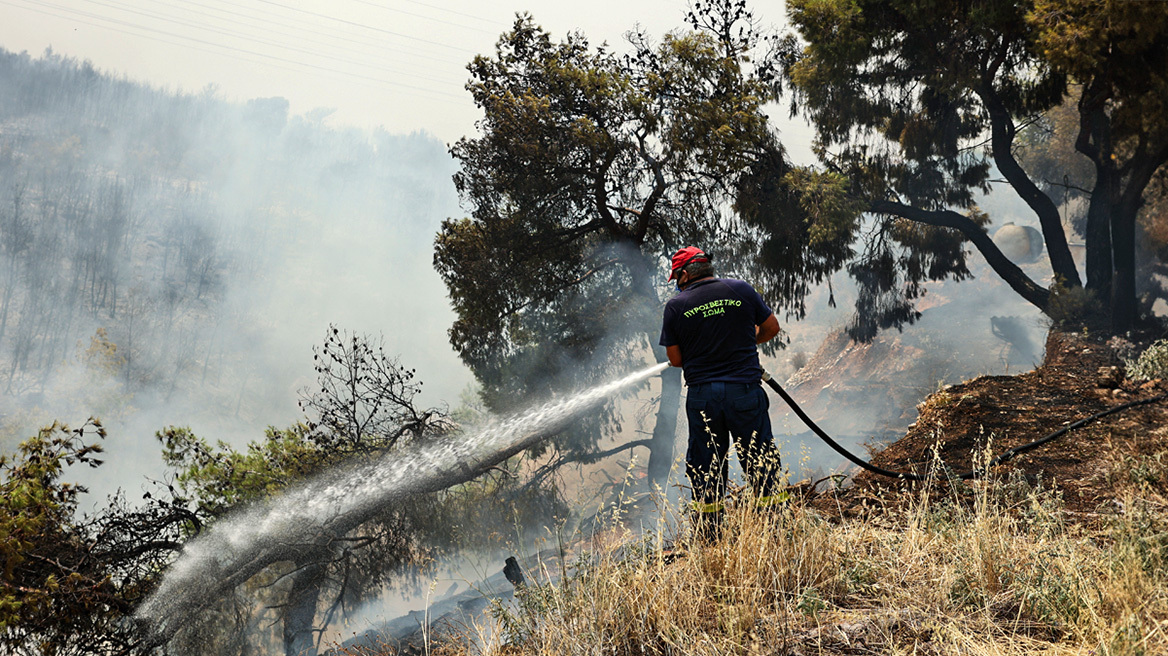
171	258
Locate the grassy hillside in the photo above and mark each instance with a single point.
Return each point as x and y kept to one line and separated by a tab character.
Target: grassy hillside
996	569
1045	558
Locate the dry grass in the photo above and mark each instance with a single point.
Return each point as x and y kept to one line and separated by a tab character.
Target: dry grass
989	570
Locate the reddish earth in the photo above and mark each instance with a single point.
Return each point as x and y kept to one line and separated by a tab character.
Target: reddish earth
1000	412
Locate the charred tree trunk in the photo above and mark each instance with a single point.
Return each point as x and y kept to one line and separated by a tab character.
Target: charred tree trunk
1094	138
1123	284
1003	133
1098	238
300	609
1115	202
665	426
1014	276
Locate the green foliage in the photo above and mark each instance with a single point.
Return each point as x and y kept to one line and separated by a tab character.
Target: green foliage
805	222
36	525
361	409
219	478
390	550
1152	363
915	103
1141	471
68	583
811	603
1125	41
894	98
1071	307
590	167
597	164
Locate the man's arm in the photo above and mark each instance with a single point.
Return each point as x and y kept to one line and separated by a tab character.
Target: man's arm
674	353
766	332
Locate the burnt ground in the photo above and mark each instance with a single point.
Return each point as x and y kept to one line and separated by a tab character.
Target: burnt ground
1075	380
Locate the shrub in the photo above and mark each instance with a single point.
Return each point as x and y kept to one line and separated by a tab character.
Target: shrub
1152	363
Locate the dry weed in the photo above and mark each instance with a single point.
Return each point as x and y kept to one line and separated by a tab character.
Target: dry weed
993	569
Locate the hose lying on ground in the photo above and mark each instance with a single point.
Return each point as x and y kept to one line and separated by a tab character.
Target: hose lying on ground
965	476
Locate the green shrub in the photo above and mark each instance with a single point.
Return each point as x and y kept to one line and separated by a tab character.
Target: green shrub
1152	363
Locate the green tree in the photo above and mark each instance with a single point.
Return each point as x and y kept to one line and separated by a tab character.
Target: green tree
72	583
309	586
903	94
69	583
1048	153
590	168
361	409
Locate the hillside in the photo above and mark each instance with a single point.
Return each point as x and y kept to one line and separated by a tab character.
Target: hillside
1061	552
172	257
996	413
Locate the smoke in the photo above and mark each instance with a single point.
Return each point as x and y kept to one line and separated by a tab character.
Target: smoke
171	258
239	546
865	395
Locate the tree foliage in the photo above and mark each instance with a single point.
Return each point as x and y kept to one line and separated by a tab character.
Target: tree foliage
589	169
362	408
596	164
918	104
70	582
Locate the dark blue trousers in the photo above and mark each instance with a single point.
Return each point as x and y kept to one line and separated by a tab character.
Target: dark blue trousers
717	413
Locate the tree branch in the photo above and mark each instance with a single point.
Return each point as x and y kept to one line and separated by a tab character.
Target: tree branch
1002	131
659	187
1142	170
579	279
583	458
600	196
1010	272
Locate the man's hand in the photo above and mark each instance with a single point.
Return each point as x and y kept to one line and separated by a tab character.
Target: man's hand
764	333
674	353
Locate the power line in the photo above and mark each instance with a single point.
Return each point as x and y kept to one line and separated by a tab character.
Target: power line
422	16
452	11
363	26
141	36
211	44
265	22
121	7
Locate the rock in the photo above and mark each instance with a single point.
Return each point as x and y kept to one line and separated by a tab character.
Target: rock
1109	377
1022	244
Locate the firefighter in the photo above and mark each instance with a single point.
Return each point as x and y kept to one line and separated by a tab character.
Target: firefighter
712	329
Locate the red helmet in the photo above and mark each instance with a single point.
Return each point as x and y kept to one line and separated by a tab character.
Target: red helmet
684	256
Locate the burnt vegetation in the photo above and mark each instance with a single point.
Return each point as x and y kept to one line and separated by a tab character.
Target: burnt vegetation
72	582
154	222
131	219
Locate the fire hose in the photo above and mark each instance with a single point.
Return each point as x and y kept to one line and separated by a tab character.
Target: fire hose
972	474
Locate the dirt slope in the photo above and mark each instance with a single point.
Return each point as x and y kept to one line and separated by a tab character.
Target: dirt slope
1074	381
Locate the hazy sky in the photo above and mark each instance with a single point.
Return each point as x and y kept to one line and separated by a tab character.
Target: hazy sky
395	63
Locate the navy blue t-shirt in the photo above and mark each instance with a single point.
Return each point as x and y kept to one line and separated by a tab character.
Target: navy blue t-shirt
713	321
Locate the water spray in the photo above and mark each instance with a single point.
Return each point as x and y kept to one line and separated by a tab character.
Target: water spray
243	544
